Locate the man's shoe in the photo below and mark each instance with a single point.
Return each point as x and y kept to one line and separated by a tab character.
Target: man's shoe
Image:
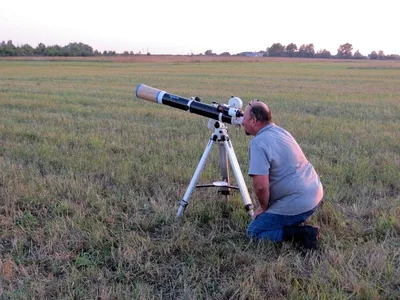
307	235
311	236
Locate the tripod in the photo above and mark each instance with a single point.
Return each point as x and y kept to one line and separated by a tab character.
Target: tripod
226	152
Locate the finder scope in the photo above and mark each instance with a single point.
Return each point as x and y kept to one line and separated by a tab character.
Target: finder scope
231	113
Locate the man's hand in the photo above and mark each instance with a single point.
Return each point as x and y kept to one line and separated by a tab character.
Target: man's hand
258	212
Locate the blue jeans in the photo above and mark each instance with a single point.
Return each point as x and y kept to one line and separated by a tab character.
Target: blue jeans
268	226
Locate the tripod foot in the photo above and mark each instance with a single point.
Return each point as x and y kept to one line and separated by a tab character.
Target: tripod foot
182	207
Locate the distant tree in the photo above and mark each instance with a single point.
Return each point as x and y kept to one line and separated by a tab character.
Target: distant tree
310	51
393	56
10	45
2	48
381	55
345	51
323	54
54	50
291	49
110	53
8	49
306	50
302	50
225	54
209	52
358	55
276	50
373	55
78	49
40	49
26	50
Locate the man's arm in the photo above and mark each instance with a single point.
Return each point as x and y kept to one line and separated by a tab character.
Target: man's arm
261	189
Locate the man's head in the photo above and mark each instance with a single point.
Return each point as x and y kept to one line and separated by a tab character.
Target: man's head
256	116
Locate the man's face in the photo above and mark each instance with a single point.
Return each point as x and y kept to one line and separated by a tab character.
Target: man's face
248	121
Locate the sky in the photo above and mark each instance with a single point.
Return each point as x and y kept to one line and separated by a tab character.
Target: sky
193	27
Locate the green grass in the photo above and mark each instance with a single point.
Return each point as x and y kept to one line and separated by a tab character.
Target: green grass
91	178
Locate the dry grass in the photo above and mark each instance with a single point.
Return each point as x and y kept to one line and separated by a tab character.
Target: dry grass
91	177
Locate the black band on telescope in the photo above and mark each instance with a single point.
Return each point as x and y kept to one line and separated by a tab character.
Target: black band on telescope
175	101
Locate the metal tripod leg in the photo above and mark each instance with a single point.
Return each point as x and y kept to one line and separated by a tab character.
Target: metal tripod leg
224	170
239	177
195	177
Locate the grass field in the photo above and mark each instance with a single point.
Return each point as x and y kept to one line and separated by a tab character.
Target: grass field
91	178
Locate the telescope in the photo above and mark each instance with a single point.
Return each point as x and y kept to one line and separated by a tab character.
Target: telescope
230	113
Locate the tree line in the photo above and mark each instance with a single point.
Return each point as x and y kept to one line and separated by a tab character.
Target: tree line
72	49
345	51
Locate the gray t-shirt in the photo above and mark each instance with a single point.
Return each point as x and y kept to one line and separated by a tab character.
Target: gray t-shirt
295	187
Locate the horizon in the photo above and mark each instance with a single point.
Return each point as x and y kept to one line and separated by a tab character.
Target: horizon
187	54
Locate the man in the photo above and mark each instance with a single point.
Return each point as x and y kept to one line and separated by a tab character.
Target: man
286	185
